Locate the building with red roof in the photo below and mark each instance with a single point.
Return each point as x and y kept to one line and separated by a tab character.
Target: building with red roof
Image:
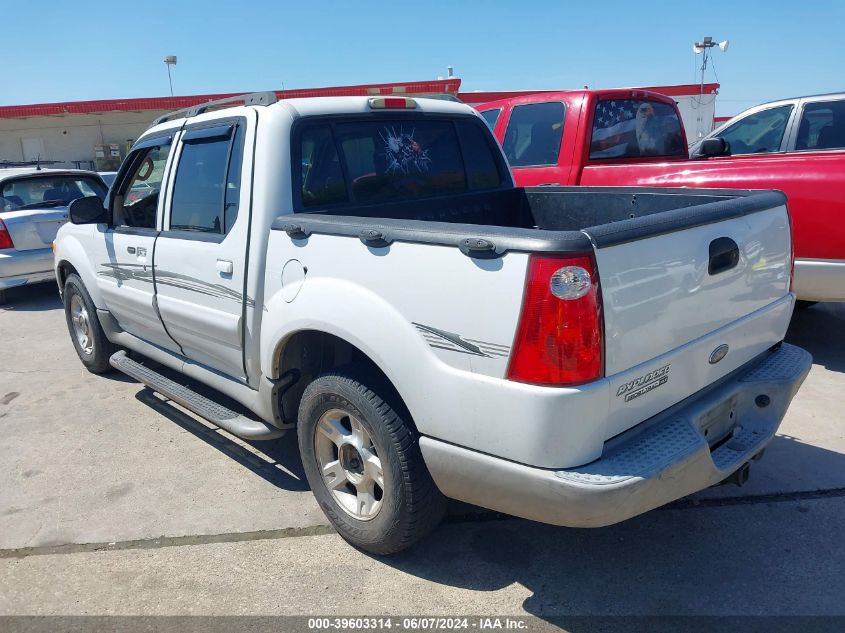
97	134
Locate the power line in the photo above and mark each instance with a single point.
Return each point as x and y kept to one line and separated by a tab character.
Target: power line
713	63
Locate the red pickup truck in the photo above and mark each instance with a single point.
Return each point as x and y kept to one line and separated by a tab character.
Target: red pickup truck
636	138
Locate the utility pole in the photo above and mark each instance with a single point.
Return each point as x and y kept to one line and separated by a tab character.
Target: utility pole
704	47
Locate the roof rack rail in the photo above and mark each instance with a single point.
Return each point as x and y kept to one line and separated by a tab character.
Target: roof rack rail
254	98
28	163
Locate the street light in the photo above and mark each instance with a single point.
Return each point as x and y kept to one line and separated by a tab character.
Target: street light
708	42
169	61
705	47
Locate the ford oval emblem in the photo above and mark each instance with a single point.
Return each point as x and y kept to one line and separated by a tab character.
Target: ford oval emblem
718	354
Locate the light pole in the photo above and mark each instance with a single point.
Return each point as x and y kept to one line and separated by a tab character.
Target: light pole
704	47
169	61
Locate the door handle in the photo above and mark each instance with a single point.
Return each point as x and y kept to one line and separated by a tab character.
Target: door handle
225	267
130	250
724	255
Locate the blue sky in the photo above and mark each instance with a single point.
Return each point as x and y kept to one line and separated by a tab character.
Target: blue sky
102	50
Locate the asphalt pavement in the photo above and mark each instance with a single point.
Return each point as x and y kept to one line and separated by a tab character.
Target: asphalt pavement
114	501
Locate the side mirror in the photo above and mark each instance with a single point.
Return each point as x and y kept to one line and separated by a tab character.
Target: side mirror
88	210
715	146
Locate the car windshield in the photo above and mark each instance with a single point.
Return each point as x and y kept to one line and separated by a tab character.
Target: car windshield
47	190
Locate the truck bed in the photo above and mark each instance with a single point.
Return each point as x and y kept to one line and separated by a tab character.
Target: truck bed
668	297
544	219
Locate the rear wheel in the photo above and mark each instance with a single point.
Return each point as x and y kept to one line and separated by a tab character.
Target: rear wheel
363	463
89	340
803	305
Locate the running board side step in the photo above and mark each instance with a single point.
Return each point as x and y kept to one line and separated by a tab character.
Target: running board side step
214	412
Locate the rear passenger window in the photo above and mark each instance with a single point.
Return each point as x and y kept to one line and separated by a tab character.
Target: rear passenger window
627	128
822	126
207	186
232	198
533	135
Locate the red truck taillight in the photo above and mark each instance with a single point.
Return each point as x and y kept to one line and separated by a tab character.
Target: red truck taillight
791	252
559	340
5	238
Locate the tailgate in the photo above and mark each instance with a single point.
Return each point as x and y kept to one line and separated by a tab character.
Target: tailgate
33	228
684	283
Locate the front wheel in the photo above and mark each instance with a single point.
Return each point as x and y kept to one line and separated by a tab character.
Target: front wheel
89	339
363	462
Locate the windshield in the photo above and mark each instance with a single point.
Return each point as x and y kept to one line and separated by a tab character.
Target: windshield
48	191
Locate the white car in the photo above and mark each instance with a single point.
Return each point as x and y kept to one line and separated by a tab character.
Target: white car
364	270
33	205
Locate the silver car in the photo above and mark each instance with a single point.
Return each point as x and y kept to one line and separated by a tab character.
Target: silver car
33	205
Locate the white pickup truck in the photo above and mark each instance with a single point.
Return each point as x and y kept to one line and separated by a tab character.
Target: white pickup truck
364	270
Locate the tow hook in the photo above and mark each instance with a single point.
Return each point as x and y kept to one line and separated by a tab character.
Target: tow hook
739	477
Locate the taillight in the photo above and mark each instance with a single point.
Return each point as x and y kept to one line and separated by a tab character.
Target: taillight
559	340
5	238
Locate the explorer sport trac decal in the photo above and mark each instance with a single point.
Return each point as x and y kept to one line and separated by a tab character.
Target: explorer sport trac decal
456	343
642	385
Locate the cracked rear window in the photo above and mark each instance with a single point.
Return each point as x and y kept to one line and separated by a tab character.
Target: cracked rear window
402	159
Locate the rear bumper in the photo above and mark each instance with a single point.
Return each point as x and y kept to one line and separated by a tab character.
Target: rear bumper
661	460
820	279
18	268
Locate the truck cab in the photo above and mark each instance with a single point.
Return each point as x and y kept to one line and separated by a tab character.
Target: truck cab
553	138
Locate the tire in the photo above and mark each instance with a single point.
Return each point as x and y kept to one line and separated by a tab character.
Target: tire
89	340
344	403
803	305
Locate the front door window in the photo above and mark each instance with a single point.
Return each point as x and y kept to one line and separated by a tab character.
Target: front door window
138	199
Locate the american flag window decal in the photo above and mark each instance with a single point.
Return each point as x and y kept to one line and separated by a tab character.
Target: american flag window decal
624	128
